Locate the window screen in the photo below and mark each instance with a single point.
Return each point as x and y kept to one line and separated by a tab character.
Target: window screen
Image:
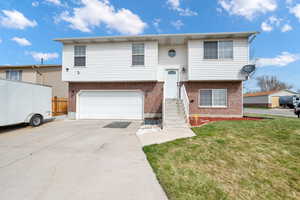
213	98
138	54
225	49
15	75
79	56
205	97
211	50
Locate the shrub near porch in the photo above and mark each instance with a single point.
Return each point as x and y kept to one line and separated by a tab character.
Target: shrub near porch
232	160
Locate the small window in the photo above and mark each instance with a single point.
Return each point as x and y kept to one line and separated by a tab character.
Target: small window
211	50
79	56
213	98
15	75
218	49
172	53
138	54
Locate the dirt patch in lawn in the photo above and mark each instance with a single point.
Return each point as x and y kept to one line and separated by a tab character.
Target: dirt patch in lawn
199	121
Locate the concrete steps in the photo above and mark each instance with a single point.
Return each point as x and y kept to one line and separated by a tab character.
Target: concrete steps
174	116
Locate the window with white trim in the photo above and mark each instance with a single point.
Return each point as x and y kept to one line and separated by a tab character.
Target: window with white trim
222	49
79	56
213	98
15	75
138	54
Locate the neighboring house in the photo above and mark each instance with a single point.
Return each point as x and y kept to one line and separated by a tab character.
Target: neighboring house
41	74
129	77
269	99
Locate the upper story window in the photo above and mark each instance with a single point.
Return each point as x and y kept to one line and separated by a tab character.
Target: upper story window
138	54
79	56
213	98
15	75
218	49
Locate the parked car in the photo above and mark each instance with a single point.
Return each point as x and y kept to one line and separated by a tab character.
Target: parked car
289	101
22	102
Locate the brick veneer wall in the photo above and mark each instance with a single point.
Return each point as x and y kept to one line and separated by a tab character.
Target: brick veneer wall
234	98
153	92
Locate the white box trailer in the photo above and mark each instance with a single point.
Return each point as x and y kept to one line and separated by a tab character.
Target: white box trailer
22	102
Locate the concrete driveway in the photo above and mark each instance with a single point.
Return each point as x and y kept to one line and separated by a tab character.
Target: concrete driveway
75	160
275	111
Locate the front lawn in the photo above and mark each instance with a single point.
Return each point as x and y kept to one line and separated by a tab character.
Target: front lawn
232	160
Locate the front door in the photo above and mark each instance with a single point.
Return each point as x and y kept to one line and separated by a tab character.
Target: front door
171	88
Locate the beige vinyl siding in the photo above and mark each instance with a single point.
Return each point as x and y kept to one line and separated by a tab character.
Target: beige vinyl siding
216	69
111	62
52	77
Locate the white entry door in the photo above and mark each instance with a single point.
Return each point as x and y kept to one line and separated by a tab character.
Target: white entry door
110	105
171	88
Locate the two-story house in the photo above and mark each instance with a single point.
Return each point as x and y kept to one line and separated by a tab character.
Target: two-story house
131	77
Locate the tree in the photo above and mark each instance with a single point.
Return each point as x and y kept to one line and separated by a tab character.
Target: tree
270	83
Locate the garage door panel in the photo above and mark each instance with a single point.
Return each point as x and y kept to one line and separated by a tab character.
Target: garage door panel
110	105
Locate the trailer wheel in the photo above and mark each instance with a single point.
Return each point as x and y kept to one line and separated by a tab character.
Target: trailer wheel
36	120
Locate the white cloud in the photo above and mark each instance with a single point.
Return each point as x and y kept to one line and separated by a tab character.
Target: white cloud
266	27
269	24
286	28
35	4
15	19
0	40
175	5
296	11
177	24
21	41
93	13
289	2
156	23
55	2
248	8
39	55
281	60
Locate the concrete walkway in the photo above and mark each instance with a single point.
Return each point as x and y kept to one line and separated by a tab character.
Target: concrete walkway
157	136
76	160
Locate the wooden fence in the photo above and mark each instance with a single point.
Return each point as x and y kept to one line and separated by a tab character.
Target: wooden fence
59	106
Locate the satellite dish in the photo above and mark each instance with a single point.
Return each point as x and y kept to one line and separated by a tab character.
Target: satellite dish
248	69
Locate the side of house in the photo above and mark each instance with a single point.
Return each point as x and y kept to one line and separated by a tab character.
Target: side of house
269	99
41	74
130	77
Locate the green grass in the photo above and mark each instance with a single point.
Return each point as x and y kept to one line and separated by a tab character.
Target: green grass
232	160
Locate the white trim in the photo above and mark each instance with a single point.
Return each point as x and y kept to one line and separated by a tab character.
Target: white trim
81	91
212	106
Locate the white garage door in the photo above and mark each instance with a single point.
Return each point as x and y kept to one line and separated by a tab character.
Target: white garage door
110	105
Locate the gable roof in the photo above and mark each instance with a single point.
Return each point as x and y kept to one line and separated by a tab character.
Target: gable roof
255	94
162	38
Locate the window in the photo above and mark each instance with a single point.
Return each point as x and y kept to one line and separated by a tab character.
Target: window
79	56
225	49
218	49
210	50
172	53
213	98
138	54
15	75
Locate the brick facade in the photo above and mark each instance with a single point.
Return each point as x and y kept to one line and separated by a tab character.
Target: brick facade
153	95
234	98
153	92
